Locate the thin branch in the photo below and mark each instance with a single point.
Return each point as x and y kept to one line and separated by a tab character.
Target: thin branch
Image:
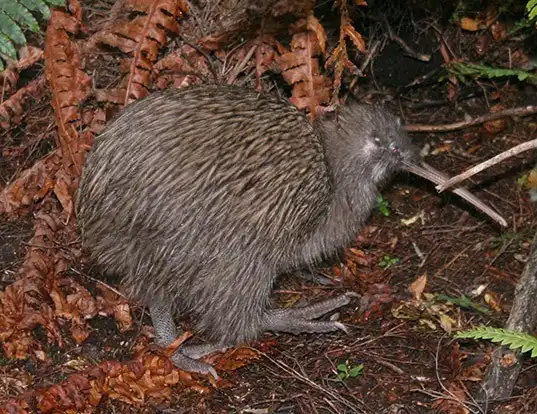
306	380
241	65
199	49
416	55
520	111
452	396
487	164
409	51
435	176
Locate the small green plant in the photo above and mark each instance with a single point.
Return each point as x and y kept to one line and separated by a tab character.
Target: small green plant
16	16
509	239
383	205
463	302
513	339
346	371
388	261
522	181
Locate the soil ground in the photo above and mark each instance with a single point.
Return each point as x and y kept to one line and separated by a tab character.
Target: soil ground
410	362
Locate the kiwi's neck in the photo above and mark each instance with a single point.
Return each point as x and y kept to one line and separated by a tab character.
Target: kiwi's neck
353	198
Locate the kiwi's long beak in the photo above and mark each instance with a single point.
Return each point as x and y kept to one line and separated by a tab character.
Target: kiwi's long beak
429	173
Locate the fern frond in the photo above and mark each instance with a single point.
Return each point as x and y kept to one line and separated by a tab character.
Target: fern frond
21	15
11	29
462	70
40	5
16	16
531	8
513	339
6	47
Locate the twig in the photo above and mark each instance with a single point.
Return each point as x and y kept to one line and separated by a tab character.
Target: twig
331	404
420	254
403	44
487	164
416	55
306	380
100	282
391	366
445	49
520	111
241	65
441	396
457	256
371	52
452	396
202	52
438	178
111	19
424	78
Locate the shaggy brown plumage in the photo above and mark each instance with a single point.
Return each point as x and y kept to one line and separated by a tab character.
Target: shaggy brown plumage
201	197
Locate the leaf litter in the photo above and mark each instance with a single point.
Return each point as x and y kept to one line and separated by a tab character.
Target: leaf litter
45	294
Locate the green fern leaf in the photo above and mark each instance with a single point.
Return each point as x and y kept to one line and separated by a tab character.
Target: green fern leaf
462	70
16	15
531	8
38	5
512	339
41	5
21	15
11	29
6	47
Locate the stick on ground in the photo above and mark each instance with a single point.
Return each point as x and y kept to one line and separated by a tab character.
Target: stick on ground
521	111
487	164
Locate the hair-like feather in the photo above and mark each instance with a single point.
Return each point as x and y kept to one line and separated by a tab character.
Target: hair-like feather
203	196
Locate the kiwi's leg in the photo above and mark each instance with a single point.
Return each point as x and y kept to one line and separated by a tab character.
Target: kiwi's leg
299	320
185	357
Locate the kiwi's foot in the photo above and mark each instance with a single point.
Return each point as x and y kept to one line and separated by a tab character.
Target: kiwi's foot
299	320
199	351
188	364
186	357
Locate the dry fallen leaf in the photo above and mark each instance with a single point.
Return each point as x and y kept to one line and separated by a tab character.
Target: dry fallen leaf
456	403
316	27
355	37
492	299
499	31
471	25
236	358
496	126
417	286
140	35
300	68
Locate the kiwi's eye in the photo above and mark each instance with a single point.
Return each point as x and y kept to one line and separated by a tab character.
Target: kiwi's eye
377	141
394	148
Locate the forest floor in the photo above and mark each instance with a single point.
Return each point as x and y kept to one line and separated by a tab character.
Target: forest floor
399	331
